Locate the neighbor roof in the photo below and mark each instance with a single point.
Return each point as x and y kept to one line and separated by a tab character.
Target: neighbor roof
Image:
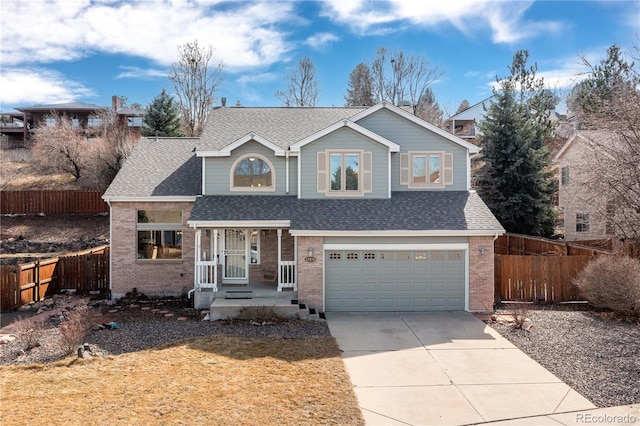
70	106
162	167
405	211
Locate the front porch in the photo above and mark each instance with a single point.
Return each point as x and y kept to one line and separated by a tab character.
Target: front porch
244	263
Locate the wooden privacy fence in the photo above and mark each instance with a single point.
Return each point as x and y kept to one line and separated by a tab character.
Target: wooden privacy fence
532	268
52	202
83	272
531	278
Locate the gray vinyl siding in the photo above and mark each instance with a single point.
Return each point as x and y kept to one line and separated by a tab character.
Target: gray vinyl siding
395	240
411	137
218	171
340	140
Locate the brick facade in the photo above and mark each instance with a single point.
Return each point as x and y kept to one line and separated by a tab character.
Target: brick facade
174	277
151	277
481	265
311	274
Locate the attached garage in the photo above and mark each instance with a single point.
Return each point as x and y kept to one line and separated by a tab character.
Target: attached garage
415	279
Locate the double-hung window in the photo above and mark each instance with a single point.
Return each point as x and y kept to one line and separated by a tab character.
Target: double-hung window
564	175
159	234
582	222
426	169
345	171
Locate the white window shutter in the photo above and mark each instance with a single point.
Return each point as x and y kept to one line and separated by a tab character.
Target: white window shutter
448	168
367	167
322	172
404	169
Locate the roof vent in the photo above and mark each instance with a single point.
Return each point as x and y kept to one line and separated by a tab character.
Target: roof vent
223	100
238	104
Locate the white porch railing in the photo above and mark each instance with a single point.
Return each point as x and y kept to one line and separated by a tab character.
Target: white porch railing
287	275
206	274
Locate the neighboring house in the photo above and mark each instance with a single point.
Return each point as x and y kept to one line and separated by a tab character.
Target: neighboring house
84	117
349	209
466	124
584	213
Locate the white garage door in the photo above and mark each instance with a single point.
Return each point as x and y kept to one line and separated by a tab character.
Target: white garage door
409	280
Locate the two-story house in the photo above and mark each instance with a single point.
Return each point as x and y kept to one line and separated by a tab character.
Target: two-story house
348	209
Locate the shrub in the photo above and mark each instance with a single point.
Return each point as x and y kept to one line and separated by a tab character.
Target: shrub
74	329
29	333
611	282
519	311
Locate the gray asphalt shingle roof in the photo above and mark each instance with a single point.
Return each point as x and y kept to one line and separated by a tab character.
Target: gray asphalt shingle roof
409	210
281	126
162	167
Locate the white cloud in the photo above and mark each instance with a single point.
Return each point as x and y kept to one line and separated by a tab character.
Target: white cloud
244	34
504	18
320	40
257	78
143	73
27	86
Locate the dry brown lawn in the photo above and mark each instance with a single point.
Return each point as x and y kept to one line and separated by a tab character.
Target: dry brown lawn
21	176
219	380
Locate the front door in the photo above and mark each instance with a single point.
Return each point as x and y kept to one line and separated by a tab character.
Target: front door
234	256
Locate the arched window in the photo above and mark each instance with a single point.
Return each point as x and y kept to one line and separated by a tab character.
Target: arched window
252	172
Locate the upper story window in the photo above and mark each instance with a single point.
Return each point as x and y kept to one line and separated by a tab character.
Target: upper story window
344	172
252	172
426	169
582	222
564	175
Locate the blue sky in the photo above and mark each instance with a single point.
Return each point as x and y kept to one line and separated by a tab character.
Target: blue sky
87	51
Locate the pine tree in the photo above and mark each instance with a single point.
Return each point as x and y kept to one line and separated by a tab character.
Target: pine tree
162	117
514	179
360	91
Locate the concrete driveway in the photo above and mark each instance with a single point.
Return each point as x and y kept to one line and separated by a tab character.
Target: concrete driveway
445	368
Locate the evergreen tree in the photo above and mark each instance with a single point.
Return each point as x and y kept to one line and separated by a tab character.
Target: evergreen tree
514	179
429	109
360	91
463	106
162	117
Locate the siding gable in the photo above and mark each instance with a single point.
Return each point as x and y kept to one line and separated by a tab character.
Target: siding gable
412	137
217	170
315	164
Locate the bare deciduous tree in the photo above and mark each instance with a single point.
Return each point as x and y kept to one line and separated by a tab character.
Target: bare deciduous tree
112	147
607	102
60	146
195	83
302	86
93	162
397	77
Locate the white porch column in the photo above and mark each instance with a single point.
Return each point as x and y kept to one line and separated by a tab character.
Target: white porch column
214	257
279	259
196	275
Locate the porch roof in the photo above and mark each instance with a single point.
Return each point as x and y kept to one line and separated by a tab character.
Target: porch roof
459	211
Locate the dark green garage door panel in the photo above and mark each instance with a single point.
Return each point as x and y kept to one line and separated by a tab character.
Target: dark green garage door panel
370	280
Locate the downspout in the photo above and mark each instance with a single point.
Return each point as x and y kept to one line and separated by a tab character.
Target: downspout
110	248
286	184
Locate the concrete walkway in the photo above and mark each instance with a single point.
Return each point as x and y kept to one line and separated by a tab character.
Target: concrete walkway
448	368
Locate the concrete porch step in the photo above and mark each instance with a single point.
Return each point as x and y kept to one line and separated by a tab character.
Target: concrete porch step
255	294
222	308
